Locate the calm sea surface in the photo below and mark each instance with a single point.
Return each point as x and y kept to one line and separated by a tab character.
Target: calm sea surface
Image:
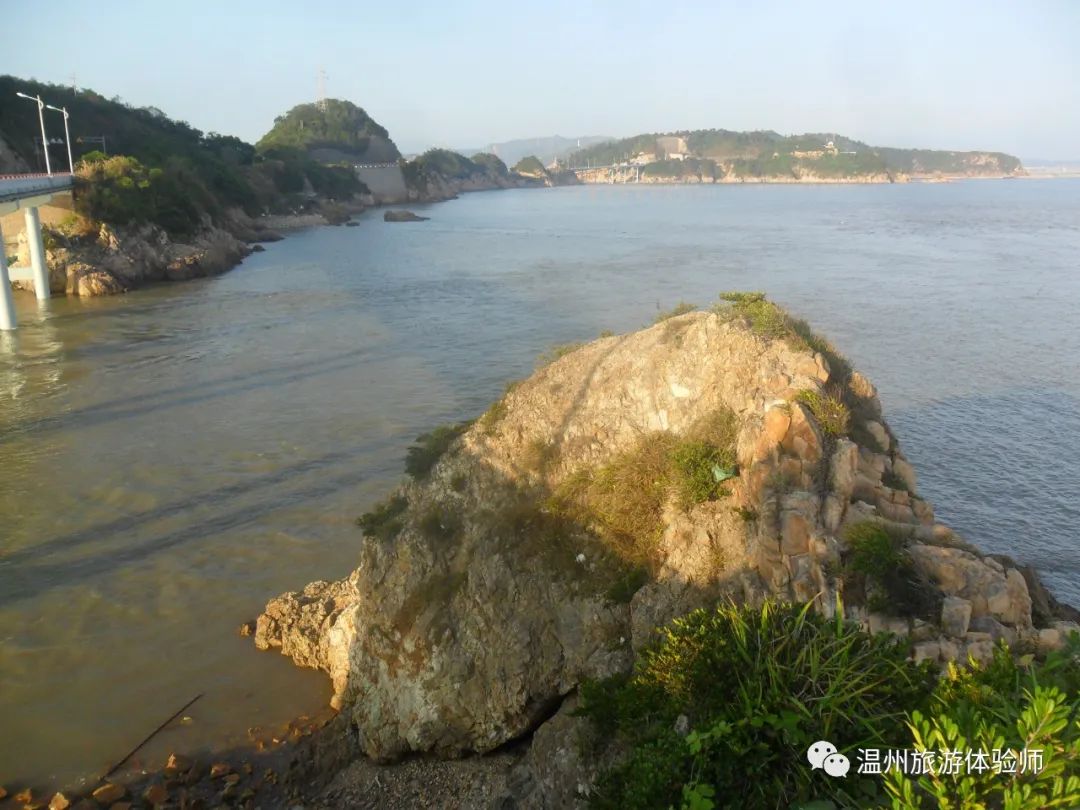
172	458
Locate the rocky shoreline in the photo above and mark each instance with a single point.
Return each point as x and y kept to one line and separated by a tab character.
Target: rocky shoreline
107	260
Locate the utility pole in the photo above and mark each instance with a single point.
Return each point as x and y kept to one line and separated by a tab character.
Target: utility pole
41	120
320	89
67	135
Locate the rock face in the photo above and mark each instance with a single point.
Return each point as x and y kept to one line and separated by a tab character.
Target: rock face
121	259
466	624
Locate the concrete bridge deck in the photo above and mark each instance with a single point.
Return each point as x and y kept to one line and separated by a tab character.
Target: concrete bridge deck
27	192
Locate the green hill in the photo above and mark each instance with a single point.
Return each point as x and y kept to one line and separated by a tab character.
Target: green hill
161	170
336	131
765	153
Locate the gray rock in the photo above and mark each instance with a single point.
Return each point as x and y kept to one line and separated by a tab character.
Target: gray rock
955	616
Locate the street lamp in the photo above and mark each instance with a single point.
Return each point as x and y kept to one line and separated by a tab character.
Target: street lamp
41	118
67	135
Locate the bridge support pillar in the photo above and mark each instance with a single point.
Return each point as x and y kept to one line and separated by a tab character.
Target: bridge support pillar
7	297
37	255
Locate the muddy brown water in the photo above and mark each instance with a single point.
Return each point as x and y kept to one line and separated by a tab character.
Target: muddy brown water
172	458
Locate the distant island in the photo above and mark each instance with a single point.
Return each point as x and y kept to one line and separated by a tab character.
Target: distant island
723	156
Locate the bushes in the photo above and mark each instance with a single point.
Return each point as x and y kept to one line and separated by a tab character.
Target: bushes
440	523
758	686
383	521
1009	705
429	448
120	190
879	572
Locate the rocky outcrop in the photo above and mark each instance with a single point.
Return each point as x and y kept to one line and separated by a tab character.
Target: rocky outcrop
478	605
403	216
115	260
435	187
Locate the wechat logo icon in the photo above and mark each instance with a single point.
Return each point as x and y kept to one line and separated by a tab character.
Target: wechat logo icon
823	754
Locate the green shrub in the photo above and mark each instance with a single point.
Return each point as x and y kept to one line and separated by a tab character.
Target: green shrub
428	448
878	570
763	316
627	583
829	411
1008	705
383	521
758	687
680	308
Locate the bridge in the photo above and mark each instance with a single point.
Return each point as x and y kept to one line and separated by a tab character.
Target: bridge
27	192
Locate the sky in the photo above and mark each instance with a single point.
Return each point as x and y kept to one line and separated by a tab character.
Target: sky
950	74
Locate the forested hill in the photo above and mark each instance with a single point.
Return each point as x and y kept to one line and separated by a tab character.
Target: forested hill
767	153
335	131
152	168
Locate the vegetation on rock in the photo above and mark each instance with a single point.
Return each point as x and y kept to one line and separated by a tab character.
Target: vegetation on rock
756	687
680	308
879	572
624	499
429	448
337	125
163	171
721	710
530	165
384	522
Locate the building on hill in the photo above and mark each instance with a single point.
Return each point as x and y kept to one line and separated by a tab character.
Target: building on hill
671	147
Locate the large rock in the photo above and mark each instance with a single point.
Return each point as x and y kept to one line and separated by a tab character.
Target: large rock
466	629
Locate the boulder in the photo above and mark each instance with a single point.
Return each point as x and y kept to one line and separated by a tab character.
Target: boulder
955	616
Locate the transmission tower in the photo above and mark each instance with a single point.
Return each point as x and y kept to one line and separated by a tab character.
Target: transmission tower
320	89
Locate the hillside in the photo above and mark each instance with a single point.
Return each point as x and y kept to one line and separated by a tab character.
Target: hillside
766	155
337	131
546	149
440	174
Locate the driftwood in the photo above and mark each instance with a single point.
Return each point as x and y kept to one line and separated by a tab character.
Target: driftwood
149	737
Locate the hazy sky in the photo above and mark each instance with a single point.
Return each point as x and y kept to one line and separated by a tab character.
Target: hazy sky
993	74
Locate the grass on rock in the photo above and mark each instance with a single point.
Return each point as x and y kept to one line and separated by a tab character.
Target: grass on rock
428	448
384	522
878	570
